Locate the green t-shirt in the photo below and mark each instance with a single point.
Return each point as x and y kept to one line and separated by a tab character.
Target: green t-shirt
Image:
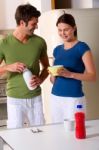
12	50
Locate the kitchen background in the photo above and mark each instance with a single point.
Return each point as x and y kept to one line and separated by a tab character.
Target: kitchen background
86	13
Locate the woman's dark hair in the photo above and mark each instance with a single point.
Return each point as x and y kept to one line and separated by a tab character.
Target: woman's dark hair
25	13
68	19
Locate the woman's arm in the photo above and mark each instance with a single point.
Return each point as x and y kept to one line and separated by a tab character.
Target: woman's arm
90	71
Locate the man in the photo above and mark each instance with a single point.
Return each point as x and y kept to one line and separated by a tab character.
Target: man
21	50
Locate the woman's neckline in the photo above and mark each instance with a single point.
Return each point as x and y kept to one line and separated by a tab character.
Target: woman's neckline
71	46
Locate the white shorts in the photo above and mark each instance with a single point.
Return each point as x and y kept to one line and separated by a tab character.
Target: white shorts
64	107
21	111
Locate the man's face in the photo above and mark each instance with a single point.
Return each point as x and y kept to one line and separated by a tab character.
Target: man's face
29	28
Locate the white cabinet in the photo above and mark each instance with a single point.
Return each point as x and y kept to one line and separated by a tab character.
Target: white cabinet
7	13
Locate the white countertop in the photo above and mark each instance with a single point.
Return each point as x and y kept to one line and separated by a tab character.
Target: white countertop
53	137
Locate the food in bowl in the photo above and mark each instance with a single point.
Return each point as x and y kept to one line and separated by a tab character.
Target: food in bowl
54	69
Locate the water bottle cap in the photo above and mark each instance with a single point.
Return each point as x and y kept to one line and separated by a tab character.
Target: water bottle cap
26	69
79	106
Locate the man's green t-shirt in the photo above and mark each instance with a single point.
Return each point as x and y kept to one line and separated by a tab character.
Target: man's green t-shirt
12	50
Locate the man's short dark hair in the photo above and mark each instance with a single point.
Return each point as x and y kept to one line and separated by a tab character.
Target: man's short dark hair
26	12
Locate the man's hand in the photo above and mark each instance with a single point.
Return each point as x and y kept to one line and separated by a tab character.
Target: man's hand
35	81
16	67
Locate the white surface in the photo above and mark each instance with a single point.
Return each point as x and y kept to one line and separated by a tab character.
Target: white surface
53	137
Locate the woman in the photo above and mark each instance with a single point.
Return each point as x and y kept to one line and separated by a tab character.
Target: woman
76	57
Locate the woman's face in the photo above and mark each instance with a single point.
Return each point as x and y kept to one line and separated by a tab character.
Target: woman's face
66	32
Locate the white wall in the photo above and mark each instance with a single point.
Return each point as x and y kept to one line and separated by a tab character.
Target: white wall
46	5
42	5
7	12
36	3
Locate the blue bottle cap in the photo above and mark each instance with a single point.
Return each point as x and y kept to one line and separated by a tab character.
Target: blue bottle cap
79	106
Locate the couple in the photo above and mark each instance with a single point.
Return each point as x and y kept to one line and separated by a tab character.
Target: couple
23	49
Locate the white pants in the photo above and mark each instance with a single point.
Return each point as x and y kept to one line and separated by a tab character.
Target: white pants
22	111
65	107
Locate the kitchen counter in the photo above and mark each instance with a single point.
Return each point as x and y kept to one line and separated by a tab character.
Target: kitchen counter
52	137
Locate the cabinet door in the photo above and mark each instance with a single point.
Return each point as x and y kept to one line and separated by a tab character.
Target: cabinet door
53	4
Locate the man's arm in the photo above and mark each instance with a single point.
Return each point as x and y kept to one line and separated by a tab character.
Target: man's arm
44	73
37	80
2	70
15	67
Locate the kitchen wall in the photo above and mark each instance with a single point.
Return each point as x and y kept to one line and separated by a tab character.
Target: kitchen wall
7	11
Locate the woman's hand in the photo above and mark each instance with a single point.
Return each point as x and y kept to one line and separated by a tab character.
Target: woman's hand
52	79
64	73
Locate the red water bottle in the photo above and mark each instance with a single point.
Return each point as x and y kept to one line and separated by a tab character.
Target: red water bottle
80	129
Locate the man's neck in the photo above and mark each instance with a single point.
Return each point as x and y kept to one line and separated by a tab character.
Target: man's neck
20	36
